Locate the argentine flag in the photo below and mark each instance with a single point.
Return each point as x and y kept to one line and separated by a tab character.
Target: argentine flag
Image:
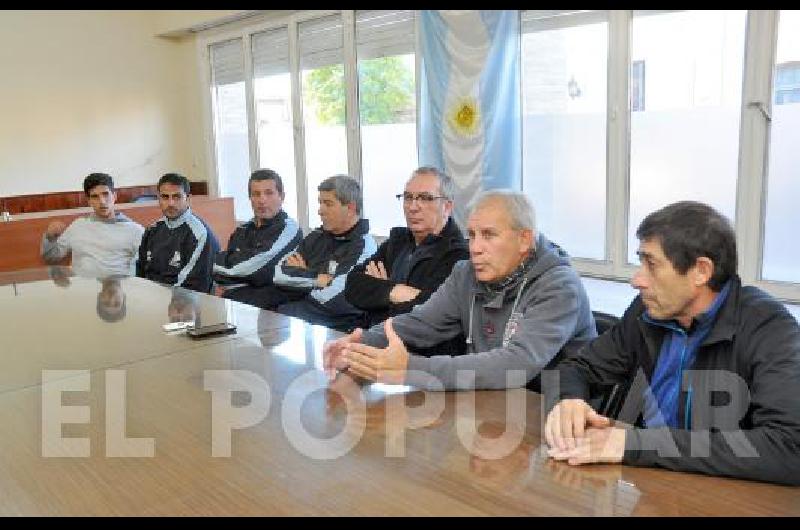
470	109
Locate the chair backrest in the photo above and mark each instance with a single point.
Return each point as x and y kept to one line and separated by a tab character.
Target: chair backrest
604	321
607	399
143	198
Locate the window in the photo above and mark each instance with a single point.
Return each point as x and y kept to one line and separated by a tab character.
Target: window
387	112
272	92
637	86
787	83
623	112
781	259
564	126
324	104
229	108
685	144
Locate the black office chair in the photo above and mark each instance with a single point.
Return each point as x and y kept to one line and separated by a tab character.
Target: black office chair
604	321
607	399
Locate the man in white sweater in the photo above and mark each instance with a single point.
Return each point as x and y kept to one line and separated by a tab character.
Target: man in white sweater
102	244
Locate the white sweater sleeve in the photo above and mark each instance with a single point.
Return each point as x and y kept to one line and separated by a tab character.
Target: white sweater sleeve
53	251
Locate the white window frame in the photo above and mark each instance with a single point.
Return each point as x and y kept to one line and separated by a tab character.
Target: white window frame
245	31
759	61
751	184
291	21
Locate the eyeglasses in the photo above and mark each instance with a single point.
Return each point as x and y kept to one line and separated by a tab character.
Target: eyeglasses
421	197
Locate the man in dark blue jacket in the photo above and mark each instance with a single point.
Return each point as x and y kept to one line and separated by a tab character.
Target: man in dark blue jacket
309	282
713	367
256	246
179	248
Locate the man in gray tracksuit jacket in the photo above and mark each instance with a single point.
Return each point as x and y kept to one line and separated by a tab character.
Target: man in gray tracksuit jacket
518	306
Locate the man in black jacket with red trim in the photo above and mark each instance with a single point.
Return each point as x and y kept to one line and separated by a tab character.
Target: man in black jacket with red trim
713	366
417	258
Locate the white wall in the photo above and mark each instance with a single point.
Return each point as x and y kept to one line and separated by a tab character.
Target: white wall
87	91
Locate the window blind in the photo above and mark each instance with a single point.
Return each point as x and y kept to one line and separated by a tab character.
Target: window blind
227	62
382	33
321	42
270	52
544	19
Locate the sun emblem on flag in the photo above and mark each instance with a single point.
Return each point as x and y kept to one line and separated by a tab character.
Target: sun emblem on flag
464	116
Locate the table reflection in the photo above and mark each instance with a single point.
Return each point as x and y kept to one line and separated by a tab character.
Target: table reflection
183	306
111	306
320	449
111	300
60	275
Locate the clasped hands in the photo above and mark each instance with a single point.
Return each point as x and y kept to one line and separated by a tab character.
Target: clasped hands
575	433
400	293
382	365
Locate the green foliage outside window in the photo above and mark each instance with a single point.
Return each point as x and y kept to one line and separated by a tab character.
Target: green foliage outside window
386	92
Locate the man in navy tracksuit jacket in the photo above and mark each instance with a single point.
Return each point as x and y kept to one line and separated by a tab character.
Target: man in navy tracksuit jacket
309	282
256	246
178	249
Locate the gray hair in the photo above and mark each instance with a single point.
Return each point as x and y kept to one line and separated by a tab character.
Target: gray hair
346	189
516	203
447	187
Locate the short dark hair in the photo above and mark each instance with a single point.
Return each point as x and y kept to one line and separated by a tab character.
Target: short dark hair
345	188
688	230
266	174
174	178
97	179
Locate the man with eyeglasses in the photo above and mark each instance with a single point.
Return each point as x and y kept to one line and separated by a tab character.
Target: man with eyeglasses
417	258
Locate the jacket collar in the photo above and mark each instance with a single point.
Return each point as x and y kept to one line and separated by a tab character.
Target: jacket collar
704	320
545	256
723	329
359	229
449	231
119	217
178	221
268	222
